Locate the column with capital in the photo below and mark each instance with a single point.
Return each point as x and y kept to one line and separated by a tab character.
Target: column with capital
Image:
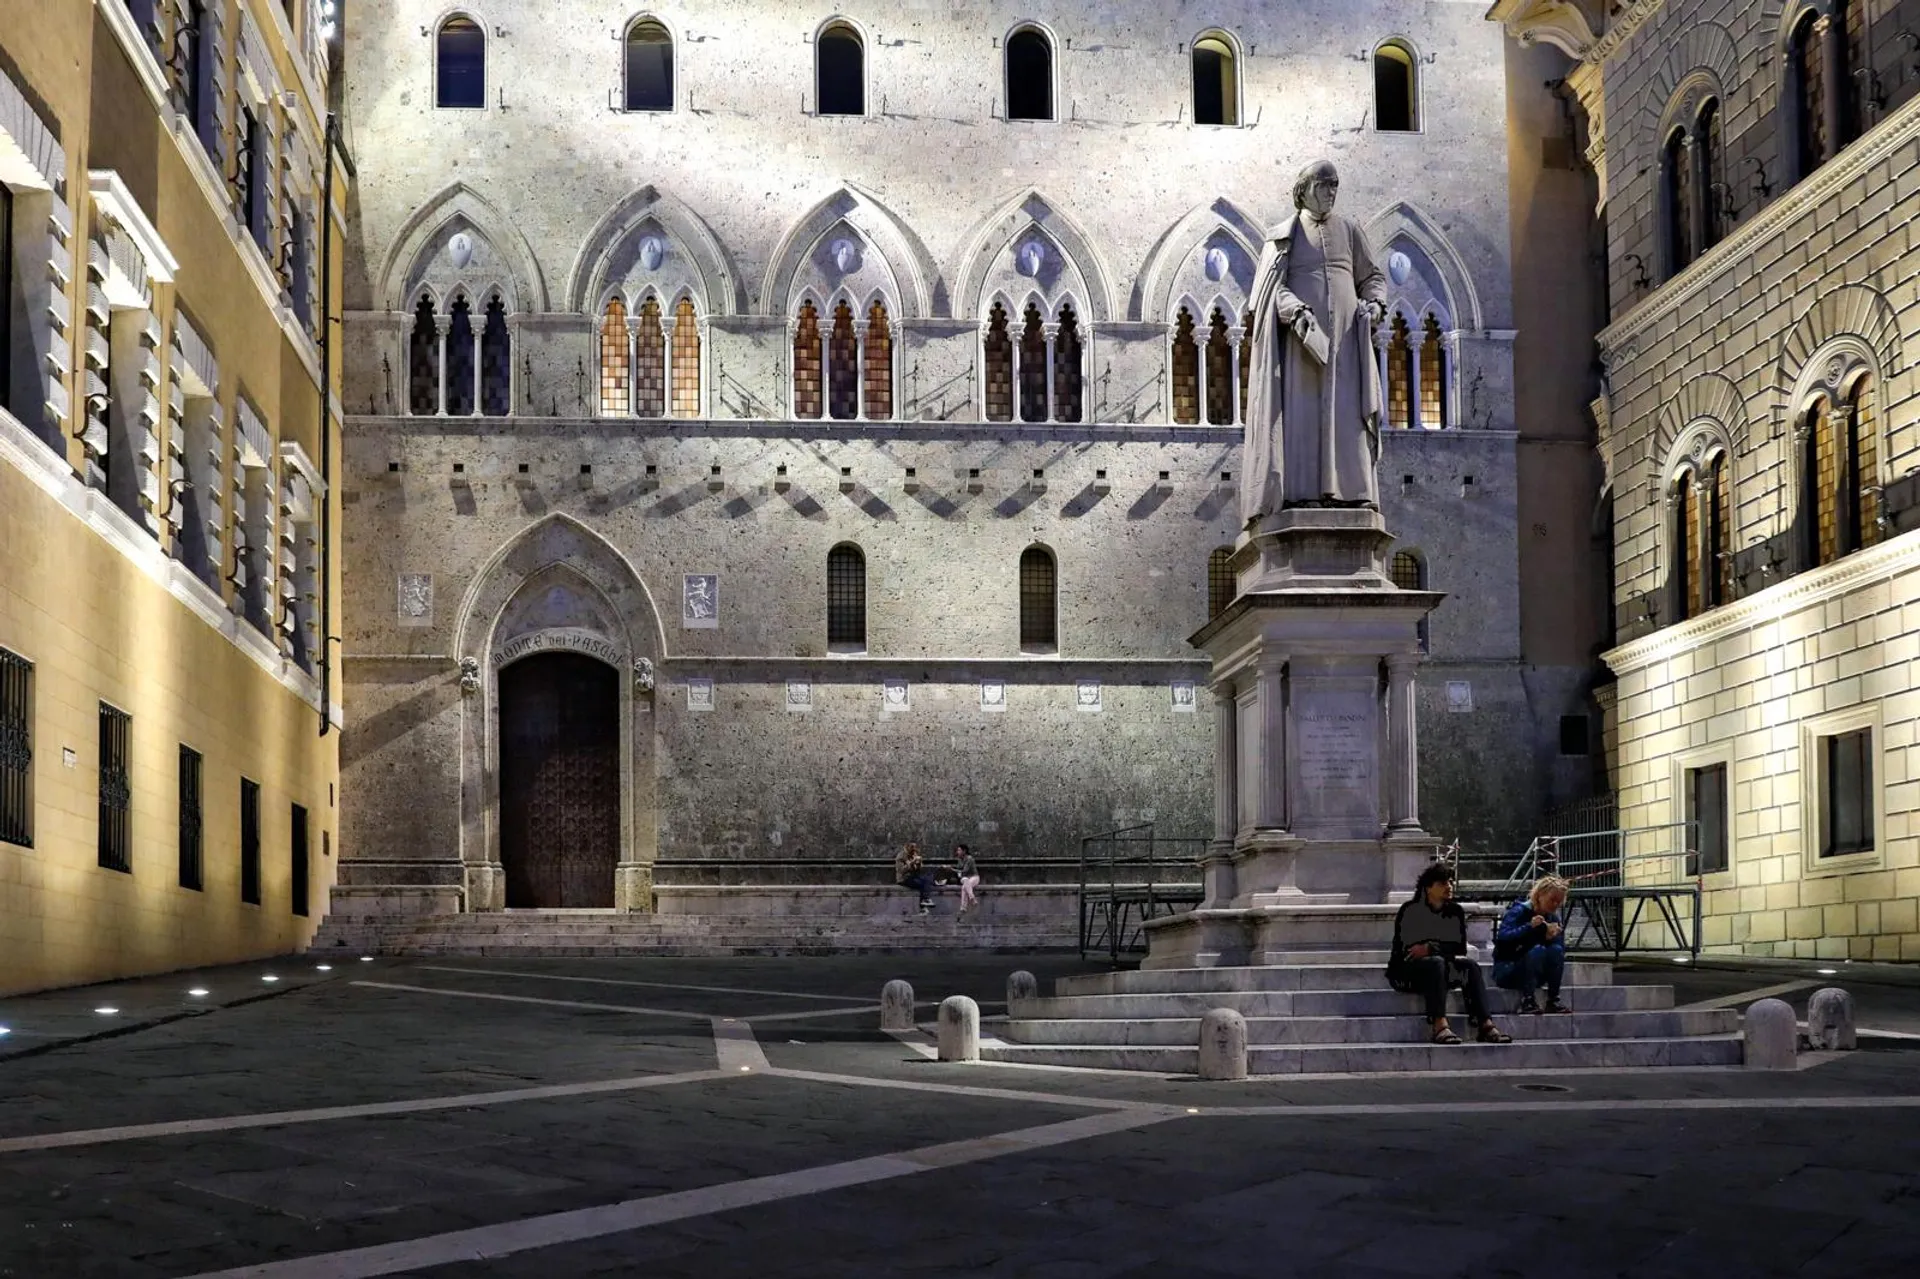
1403	765
1270	800
1216	864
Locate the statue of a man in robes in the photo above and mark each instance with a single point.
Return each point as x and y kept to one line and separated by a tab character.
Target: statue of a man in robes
1313	394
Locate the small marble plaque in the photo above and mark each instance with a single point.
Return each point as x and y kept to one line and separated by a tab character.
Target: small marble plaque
700	601
1459	697
993	696
1184	700
895	696
1086	696
799	695
414	593
700	694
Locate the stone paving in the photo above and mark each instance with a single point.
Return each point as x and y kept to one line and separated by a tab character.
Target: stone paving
668	1117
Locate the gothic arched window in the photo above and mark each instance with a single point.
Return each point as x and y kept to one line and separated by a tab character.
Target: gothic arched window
879	364
685	373
1219	372
1066	368
1039	601
1033	367
649	51
807	398
840	72
460	64
1677	184
1029	75
1436	409
843	366
616	356
1186	371
423	361
1400	374
846	598
997	353
460	359
1216	81
649	361
1396	99
496	361
1221	586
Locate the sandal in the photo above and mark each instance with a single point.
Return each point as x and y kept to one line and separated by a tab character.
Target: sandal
1445	1036
1492	1034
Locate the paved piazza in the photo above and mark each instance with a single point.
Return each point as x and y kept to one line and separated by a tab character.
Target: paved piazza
563	1118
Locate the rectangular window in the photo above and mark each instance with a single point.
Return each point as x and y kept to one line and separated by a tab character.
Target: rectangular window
1707	819
6	296
251	174
1573	735
16	749
299	868
116	789
1846	792
191	871
250	842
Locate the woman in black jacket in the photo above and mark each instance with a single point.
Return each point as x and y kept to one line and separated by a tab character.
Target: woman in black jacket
1429	957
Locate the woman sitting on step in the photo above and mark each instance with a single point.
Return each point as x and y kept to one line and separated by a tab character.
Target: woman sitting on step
1530	945
1429	957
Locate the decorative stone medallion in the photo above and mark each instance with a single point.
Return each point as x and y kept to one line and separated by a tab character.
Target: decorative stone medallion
895	696
993	696
1459	697
700	693
1086	696
799	695
460	250
1030	257
1185	701
1399	267
700	601
414	597
653	251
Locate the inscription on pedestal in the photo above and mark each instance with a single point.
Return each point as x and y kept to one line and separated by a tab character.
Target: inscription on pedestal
1336	749
1336	759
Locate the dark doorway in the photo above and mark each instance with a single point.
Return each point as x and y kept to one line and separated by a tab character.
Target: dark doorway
559	781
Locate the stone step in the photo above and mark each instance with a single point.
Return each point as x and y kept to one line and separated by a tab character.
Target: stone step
1376	1001
1317	1059
1272	977
1410	1028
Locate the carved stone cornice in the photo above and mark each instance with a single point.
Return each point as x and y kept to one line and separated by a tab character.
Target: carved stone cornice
1560	23
1622	29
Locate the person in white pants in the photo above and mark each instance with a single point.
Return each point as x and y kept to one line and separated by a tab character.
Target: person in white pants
969	873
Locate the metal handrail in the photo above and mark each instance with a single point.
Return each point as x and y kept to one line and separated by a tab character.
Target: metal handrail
1165	875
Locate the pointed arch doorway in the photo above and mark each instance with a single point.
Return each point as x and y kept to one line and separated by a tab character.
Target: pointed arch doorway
559	781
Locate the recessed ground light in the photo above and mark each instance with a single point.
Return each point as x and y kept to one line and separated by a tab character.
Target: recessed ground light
1193	1110
1680	959
745	1069
198	992
106	1012
269	977
1543	1088
1827	972
324	968
4	1032
366	959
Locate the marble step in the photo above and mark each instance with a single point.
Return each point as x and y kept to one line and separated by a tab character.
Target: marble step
1319	1059
1409	1028
1375	1001
1272	977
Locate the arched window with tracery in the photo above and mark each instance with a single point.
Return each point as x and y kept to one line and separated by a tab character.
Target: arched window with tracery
1807	79
1685	578
649	66
1677	181
616	360
1033	366
840	72
1400	374
1435	375
1859	499
1700	533
685	372
1219	372
846	599
1039	601
649	360
460	358
460	64
1820	467
879	364
1396	98
843	366
1216	81
423	361
1858	80
1717	509
808	400
496	361
1221	586
1029	75
997	356
1710	145
1067	380
1186	370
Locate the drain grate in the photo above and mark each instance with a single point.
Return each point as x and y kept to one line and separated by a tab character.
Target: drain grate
1543	1088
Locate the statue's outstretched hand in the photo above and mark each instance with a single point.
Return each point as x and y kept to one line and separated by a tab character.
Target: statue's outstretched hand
1376	312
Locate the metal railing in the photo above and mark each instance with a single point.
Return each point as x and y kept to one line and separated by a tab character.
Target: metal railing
1129	876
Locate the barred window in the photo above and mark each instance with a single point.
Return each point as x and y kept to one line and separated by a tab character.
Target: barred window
846	597
1033	367
649	361
998	350
1221	586
496	361
423	362
1039	600
1400	374
1067	380
298	871
116	789
686	360
1406	571
807	390
249	841
843	366
192	871
460	362
1434	406
616	361
879	370
16	749
1186	371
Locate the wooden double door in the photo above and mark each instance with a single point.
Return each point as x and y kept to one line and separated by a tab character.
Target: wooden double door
559	781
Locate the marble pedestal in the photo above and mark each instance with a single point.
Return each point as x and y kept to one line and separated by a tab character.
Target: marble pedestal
1317	833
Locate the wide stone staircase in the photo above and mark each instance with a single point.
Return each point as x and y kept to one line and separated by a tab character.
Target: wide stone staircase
1331	1012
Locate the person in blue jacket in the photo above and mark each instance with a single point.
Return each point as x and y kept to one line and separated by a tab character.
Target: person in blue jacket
1530	946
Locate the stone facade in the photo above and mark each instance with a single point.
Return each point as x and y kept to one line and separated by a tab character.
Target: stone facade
1765	572
568	515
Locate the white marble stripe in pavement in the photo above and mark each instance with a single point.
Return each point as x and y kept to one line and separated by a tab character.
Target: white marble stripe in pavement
653	985
558	1228
1748	996
946	1088
917	1041
873	1007
280	1118
681	1013
1459	1109
735	1046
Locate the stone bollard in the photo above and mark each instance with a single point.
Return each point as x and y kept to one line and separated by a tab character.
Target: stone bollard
896	1006
1772	1035
1830	1020
1223	1045
959	1029
1021	986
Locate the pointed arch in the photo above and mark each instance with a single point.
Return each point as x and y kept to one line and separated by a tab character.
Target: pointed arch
986	257
693	258
501	259
902	258
1178	258
560	540
1405	221
1853	314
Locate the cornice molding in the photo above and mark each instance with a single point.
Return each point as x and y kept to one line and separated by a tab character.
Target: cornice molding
1558	22
1622	30
1620	339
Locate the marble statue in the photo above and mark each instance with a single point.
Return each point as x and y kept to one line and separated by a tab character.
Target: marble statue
1313	396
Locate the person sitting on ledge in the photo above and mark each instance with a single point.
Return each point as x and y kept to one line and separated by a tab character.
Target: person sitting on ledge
909	871
1429	957
1530	945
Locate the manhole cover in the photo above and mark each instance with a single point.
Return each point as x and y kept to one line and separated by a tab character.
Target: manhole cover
1543	1088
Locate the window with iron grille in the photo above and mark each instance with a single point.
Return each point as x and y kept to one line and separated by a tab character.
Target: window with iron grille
191	841
1707	815
846	597
298	870
250	842
1846	789
1221	586
16	749
116	789
1038	598
1405	571
6	297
